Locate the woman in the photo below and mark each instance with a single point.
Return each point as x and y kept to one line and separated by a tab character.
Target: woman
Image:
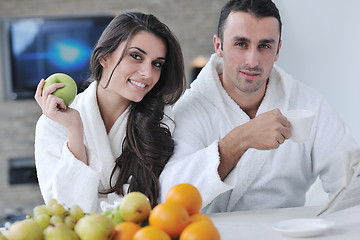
116	135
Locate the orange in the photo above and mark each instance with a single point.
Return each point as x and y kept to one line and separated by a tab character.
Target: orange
150	233
125	230
200	230
186	195
199	217
171	217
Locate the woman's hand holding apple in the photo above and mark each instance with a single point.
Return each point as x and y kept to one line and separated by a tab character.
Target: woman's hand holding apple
55	108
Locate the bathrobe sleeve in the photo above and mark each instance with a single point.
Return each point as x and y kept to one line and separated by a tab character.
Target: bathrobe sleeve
60	174
332	139
196	156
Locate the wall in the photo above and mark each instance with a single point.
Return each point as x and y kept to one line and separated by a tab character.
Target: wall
194	23
320	48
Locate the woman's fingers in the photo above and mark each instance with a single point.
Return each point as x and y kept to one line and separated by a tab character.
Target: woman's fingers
49	103
38	92
52	88
53	105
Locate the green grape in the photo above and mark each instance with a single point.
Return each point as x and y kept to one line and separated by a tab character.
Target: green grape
40	209
57	210
42	219
51	202
70	222
56	220
76	212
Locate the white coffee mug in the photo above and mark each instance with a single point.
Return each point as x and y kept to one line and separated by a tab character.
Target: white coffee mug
301	123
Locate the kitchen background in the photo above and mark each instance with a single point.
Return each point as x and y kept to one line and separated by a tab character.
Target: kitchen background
319	48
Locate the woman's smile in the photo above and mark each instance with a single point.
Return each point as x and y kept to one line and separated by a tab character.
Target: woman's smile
137	84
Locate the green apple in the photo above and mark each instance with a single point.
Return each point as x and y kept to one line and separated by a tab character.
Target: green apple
25	230
2	237
95	227
135	207
68	92
60	232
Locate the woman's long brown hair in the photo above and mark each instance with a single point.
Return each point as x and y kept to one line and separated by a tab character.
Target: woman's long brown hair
148	144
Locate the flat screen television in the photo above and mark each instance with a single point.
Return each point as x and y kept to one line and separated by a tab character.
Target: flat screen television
36	47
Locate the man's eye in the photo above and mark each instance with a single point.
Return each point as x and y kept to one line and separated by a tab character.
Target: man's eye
241	44
264	46
135	56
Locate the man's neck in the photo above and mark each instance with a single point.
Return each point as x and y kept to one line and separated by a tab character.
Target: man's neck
248	102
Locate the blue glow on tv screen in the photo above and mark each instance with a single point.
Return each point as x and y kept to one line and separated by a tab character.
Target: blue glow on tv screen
39	47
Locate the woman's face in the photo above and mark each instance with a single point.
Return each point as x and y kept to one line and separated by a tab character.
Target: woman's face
138	71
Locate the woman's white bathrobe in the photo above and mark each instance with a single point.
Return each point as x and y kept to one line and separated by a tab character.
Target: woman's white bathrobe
65	178
261	179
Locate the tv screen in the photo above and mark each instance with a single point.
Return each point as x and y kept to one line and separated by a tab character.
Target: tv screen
35	48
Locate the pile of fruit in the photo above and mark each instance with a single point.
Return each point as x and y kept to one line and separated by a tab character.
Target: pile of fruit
179	218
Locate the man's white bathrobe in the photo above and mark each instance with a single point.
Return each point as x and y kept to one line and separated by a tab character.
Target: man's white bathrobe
261	179
65	178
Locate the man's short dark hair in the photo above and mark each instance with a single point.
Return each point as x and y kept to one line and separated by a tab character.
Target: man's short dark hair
259	8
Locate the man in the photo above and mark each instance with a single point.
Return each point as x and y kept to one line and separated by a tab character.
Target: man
231	135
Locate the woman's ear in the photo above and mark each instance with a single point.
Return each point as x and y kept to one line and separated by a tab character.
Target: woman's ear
103	61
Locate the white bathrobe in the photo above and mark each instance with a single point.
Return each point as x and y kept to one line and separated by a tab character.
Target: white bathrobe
65	178
261	179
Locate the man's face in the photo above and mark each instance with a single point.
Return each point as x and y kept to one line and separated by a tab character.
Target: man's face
249	48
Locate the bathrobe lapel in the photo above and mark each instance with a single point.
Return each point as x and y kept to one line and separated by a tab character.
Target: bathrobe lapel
100	154
253	160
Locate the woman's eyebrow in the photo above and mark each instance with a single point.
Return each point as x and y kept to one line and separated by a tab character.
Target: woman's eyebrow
139	50
144	52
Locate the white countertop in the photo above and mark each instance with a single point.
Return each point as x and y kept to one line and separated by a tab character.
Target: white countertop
257	225
253	225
